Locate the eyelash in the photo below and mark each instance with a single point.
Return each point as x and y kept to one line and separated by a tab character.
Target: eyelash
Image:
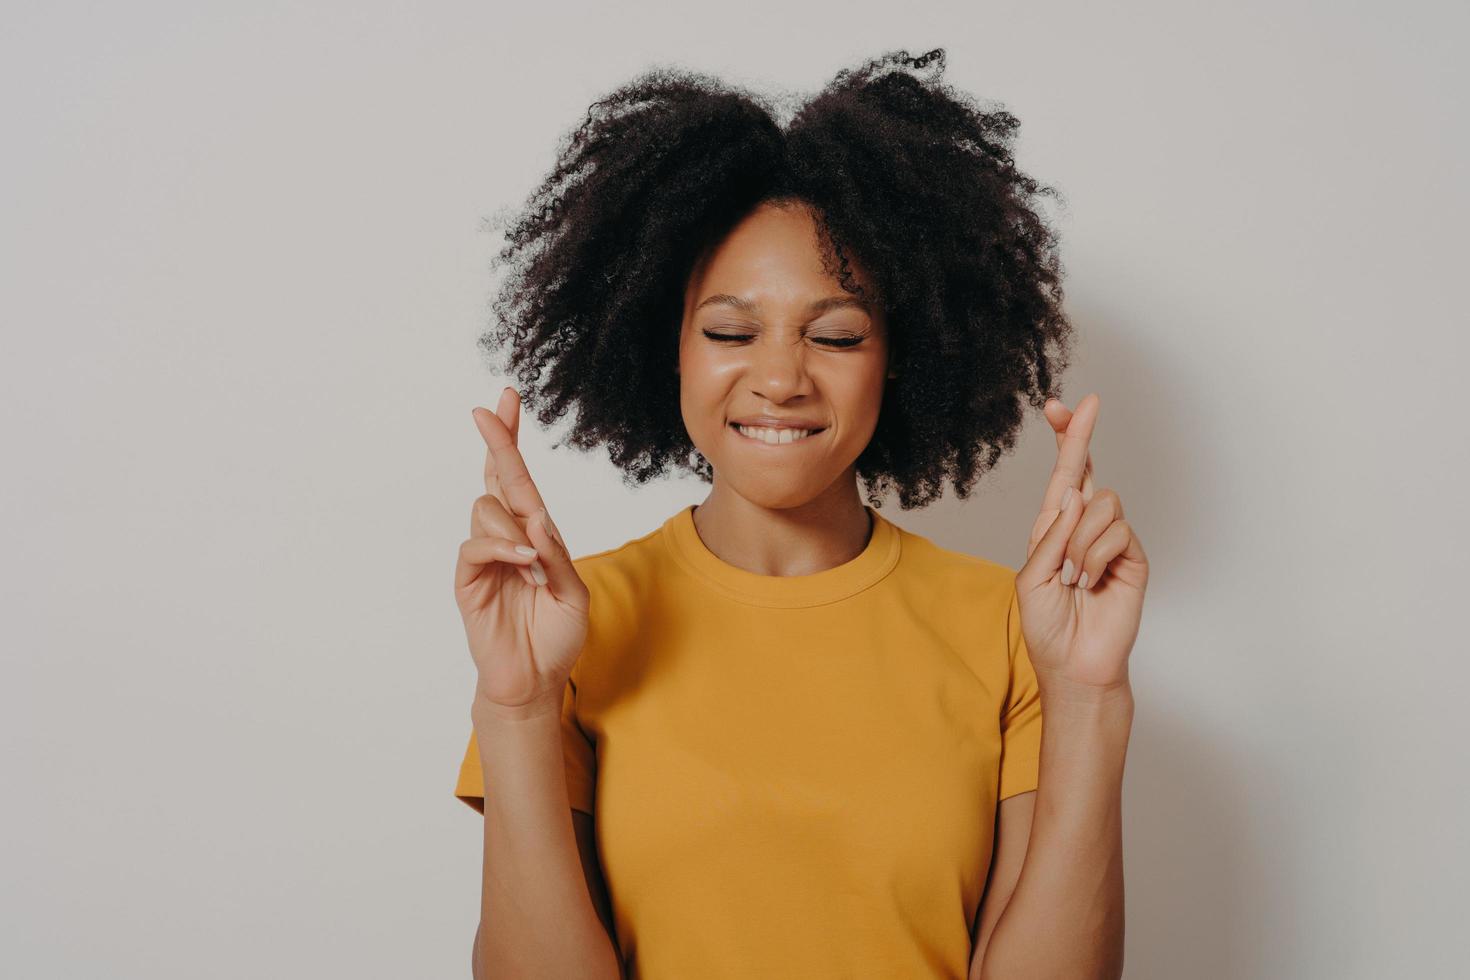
838	342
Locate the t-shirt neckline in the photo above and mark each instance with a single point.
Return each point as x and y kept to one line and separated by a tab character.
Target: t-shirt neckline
867	568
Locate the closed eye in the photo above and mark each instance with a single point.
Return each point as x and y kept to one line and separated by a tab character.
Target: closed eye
825	341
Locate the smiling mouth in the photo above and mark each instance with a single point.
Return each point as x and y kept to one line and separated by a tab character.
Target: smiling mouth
773	436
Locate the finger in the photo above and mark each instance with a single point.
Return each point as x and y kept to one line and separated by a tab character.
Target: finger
1038	530
477	553
1109	545
561	574
515	485
1046	558
1072	453
1097	514
492	485
490	519
1059	415
509	411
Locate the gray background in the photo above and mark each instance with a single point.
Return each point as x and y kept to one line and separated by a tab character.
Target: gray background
243	270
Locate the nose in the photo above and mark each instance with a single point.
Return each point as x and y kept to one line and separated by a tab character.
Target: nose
778	372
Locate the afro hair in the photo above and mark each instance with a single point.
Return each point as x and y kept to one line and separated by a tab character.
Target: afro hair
899	170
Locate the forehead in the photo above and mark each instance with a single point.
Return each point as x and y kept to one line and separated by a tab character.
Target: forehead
771	258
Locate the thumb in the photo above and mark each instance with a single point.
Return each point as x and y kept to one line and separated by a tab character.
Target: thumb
556	560
1046	559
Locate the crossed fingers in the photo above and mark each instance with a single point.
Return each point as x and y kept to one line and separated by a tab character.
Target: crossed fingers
506	475
511	497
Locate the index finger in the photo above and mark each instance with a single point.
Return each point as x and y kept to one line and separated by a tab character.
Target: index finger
1071	463
509	411
521	496
1059	416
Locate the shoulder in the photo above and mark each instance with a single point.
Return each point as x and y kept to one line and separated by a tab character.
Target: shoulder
953	574
964	600
624	569
622	583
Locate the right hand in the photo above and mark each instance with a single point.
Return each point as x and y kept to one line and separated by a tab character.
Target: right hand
524	637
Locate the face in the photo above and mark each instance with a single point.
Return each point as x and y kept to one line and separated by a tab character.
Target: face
771	340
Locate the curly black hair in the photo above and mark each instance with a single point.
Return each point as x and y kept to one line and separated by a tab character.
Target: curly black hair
900	170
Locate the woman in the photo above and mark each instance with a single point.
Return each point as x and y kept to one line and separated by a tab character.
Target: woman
780	736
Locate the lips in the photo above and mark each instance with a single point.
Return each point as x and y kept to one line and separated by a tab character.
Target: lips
774	422
770	435
766	425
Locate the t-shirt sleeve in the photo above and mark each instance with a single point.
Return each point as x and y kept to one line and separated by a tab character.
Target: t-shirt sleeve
579	754
1020	723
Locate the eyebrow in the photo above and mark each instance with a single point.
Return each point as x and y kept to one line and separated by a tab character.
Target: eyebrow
816	307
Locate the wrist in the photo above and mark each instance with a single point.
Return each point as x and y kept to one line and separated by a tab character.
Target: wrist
1089	725
1062	691
485	713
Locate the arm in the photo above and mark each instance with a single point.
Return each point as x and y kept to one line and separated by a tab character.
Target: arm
537	912
586	831
1064	918
1012	834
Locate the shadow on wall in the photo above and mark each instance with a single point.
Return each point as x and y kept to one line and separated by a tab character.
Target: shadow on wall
1198	805
1199	904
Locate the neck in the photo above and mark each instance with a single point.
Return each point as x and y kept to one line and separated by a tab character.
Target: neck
824	532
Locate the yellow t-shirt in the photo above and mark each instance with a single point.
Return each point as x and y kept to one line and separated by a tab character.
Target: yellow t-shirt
795	776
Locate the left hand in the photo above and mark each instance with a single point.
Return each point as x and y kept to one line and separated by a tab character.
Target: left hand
1079	632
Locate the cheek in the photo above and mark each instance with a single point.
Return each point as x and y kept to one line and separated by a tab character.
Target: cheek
704	385
703	377
857	395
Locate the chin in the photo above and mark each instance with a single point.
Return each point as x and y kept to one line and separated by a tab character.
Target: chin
769	491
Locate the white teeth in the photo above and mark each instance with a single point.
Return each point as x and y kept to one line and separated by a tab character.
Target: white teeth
773	436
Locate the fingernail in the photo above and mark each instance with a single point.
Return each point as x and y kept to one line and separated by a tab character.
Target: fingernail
1067	572
538	573
523	550
1082	582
